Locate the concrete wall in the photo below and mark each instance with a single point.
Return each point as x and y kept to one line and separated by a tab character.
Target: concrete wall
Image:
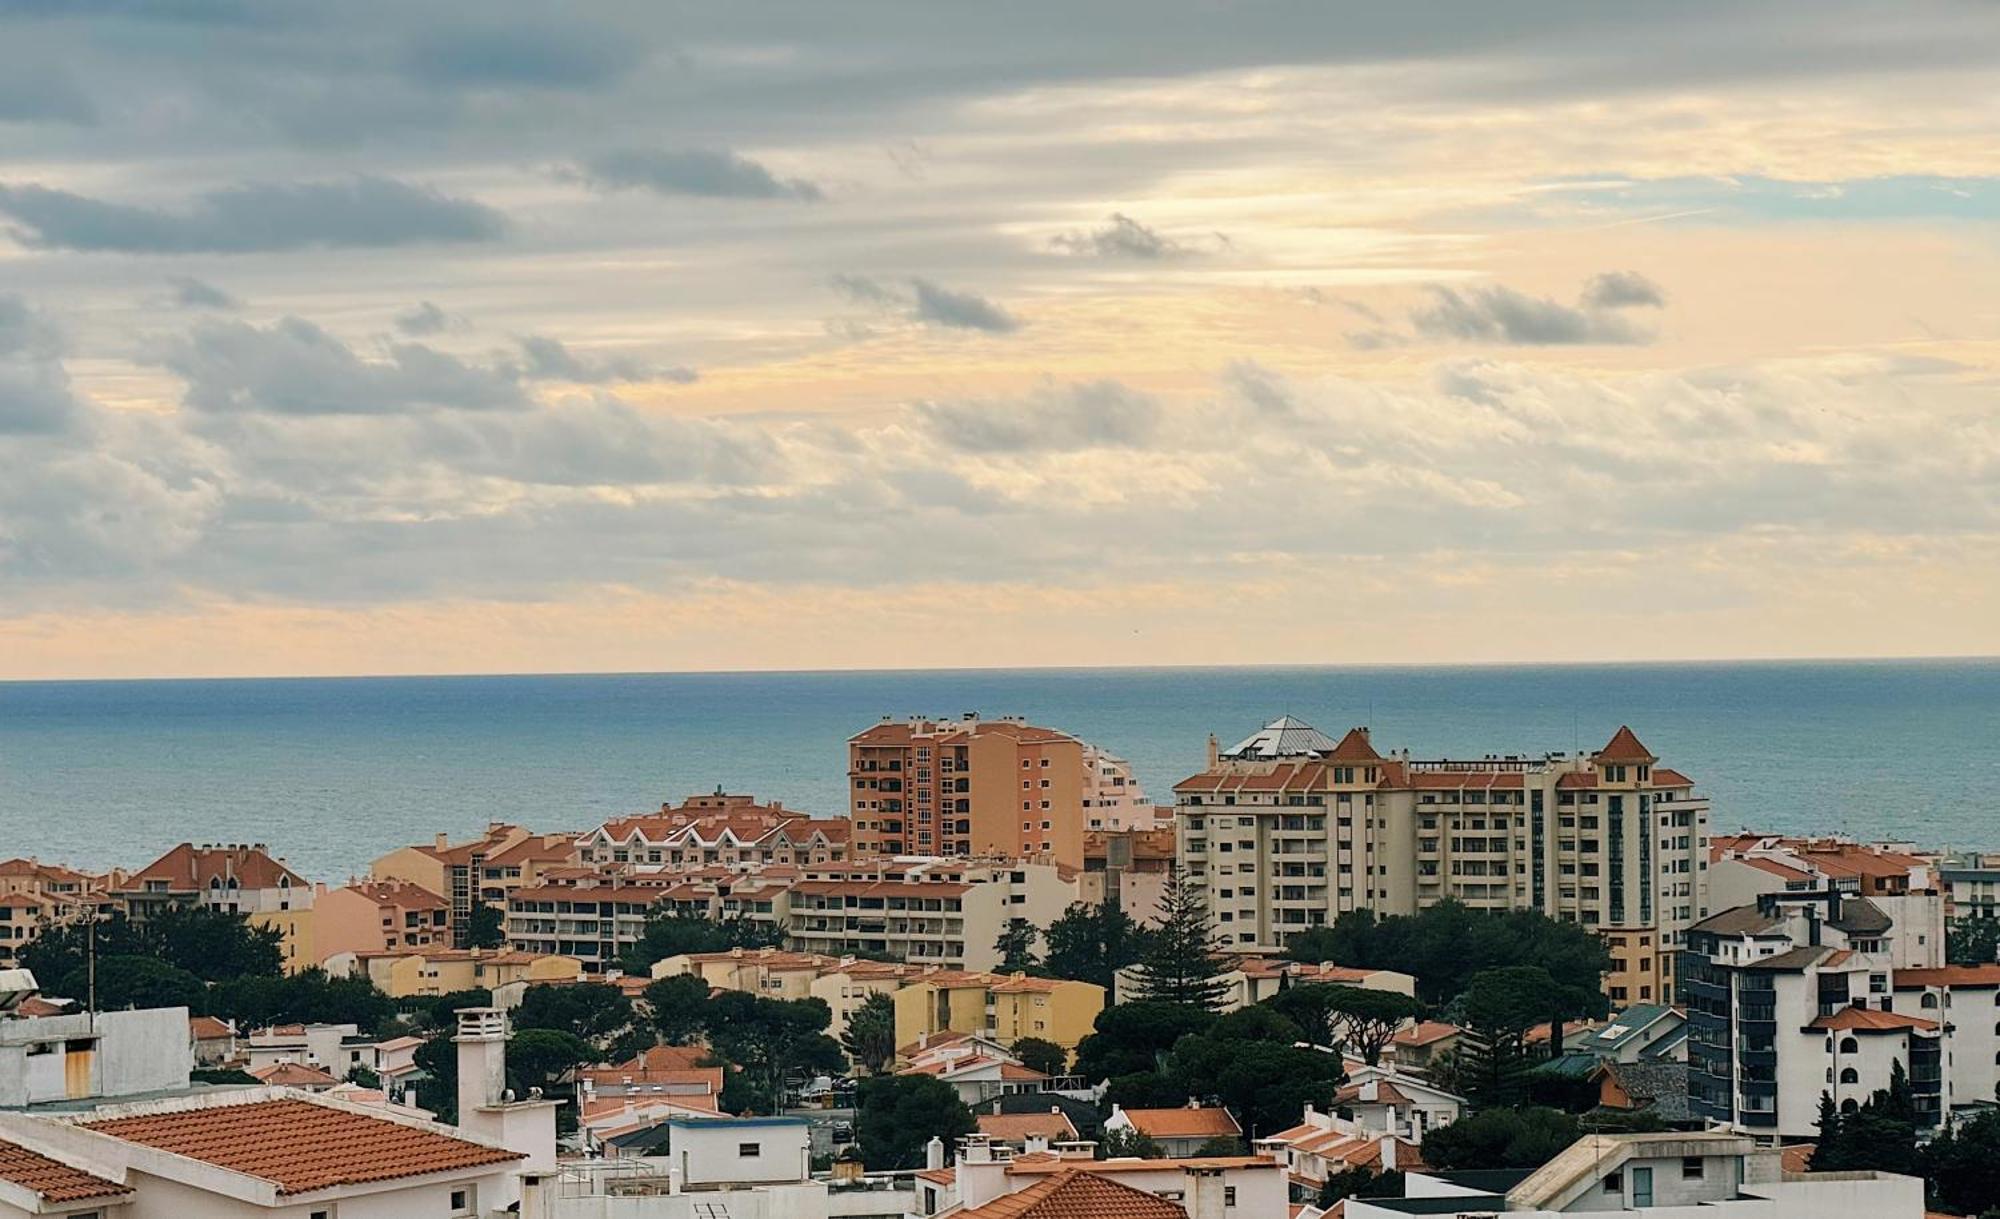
707	1153
137	1051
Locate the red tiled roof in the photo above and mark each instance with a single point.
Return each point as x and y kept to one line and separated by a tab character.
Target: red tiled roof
52	1180
1018	1127
1624	746
302	1146
208	1028
403	894
1868	1020
1797	1157
1354	747
1426	1033
1183	1123
1077	1194
294	1075
1949	975
188	868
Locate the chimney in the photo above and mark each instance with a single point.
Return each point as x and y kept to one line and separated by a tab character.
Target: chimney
1208	1196
442	842
934	1153
1388	1153
1214	752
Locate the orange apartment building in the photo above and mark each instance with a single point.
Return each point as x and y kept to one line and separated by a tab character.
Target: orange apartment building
971	786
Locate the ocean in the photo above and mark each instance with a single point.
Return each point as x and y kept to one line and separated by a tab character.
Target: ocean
333	772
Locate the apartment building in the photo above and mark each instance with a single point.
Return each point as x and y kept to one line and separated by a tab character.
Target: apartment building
35	896
378	916
592	921
992	787
1802	994
1112	797
454	870
944	912
403	973
239	878
1003	1007
1291	828
1743	867
719	829
1129	868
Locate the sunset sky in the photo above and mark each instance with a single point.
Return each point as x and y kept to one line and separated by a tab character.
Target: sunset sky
448	337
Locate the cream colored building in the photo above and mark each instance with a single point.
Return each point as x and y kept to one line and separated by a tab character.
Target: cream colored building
1290	829
939	912
771	972
403	973
1002	1007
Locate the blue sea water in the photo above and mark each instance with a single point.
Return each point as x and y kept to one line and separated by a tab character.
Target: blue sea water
333	772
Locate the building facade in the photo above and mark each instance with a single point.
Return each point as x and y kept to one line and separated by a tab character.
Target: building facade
1289	829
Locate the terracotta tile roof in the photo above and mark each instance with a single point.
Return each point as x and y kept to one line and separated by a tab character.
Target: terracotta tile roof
1183	1123
52	1180
1868	1020
1797	1157
404	894
208	1028
1354	747
1018	1127
188	868
302	1146
1773	867
293	1075
1949	975
1624	746
1077	1194
1426	1033
1662	777
939	1176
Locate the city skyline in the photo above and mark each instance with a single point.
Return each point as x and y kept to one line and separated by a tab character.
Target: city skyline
473	338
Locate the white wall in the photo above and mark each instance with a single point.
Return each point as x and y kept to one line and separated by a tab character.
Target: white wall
710	1153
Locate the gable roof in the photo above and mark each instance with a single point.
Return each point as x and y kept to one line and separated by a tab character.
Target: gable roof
1624	746
1354	747
301	1145
52	1180
1209	1121
1077	1194
188	868
1869	1020
1019	1127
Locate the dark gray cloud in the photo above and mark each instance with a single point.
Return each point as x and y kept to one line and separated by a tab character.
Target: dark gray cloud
700	172
1496	313
1122	237
551	360
357	212
293	367
572	54
421	319
924	301
1101	414
1622	290
192	293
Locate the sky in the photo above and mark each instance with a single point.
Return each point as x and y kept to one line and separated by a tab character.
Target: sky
479	335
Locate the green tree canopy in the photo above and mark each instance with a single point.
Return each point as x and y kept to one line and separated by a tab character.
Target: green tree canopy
1016	946
1973	940
1266	1083
1365	1020
1135	1037
541	1058
1182	963
1092	943
1121	1144
679	1008
597	1012
1501	1138
870	1039
670	935
771	1041
311	996
898	1114
1041	1054
485	927
211	944
1444	945
124	982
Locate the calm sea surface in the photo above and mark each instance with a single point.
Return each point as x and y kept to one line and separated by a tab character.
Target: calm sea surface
332	772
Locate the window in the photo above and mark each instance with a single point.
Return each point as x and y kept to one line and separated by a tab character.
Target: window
1614	1183
1848	1075
1849	1045
463	1202
1229	1195
1692	1168
749	1150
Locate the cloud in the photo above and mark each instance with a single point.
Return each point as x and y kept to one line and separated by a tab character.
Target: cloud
35	395
566	55
421	319
1122	237
1499	314
293	367
550	360
192	293
698	172
926	302
1622	290
33	92
1099	414
357	212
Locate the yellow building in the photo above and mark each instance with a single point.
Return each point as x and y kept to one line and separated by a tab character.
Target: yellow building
770	972
442	971
1002	1007
299	942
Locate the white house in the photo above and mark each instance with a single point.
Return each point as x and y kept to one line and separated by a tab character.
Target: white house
1212	1187
1179	1132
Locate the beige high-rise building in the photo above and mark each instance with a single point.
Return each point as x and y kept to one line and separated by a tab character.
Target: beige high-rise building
985	787
1290	829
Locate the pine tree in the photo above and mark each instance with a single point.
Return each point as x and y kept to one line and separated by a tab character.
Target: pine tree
1016	946
1182	963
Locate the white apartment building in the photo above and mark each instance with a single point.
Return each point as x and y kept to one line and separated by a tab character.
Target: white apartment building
1657	1176
1290	829
1801	995
1112	797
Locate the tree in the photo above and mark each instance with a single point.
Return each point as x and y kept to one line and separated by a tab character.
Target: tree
1524	1138
1359	1183
485	926
540	1058
1962	1164
870	1039
1879	1136
1444	945
1182	963
211	944
671	935
437	1058
679	1007
441	1011
124	982
1092	943
1016	946
898	1114
310	996
1220	1145
1973	940
1265	1083
1128	1144
771	1039
1135	1037
1330	1015
1146	1090
1500	1007
1040	1054
591	1010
